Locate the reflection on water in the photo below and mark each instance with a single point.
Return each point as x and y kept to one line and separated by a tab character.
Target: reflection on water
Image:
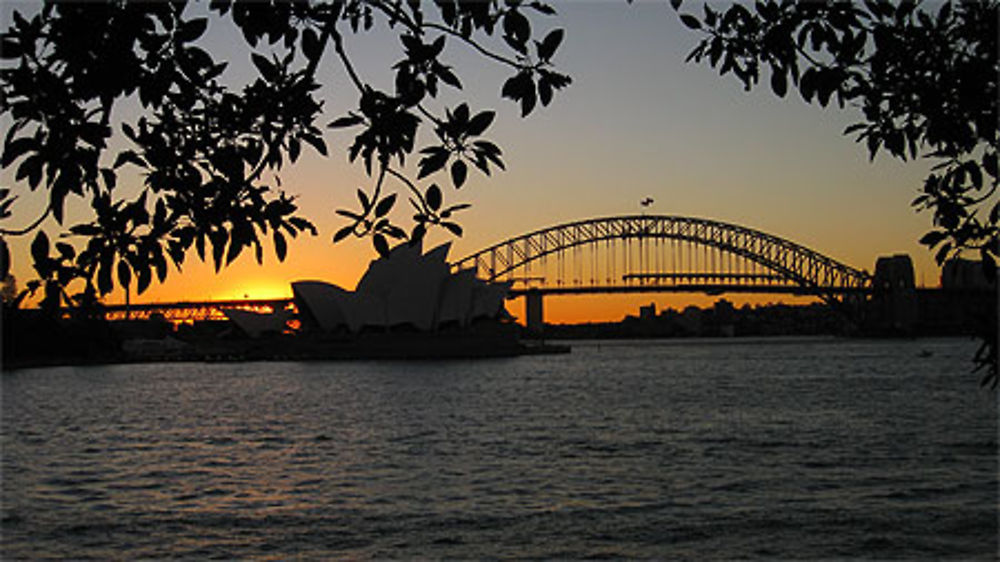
767	448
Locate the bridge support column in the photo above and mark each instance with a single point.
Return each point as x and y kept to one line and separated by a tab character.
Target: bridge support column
533	313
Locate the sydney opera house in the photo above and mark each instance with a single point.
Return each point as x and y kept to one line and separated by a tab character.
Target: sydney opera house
406	289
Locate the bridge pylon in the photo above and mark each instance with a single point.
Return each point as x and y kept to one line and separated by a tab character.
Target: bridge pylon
533	312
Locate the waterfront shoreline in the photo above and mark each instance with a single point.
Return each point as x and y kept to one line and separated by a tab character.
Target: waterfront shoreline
397	349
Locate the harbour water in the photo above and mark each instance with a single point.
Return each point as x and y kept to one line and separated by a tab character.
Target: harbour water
718	449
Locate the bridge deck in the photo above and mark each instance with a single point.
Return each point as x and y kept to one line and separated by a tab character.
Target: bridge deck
707	288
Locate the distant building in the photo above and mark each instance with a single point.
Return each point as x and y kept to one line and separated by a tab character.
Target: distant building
724	311
153	348
647	312
256	324
725	317
959	273
690	320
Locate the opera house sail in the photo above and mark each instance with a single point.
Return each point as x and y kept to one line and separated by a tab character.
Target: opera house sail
404	289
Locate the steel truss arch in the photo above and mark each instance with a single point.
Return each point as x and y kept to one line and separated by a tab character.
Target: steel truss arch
789	260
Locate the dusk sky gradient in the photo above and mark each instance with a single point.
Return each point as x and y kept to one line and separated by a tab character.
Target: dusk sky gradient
637	122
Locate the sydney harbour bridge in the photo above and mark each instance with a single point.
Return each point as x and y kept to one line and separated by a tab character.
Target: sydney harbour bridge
622	254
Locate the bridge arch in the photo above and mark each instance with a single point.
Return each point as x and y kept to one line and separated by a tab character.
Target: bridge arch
786	260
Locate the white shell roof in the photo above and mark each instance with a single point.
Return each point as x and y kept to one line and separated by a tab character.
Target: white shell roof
404	287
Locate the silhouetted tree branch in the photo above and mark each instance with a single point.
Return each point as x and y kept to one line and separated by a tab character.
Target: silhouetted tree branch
31	226
203	146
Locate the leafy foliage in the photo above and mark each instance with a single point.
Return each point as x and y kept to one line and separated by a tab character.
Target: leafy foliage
389	122
923	76
924	82
205	150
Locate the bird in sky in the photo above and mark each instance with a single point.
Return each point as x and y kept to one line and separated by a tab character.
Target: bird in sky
646	202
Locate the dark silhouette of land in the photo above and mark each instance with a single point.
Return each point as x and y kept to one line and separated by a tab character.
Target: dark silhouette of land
939	313
32	338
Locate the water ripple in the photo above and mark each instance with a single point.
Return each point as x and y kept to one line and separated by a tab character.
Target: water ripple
801	450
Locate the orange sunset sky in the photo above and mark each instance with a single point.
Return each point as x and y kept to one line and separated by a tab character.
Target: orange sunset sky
637	122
